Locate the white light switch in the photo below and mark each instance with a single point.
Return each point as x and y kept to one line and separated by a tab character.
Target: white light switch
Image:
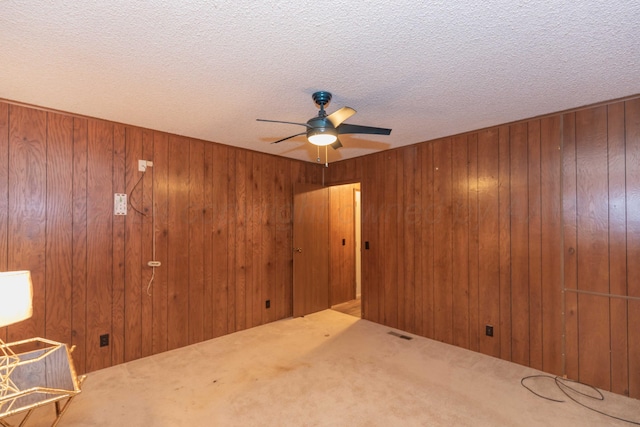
119	204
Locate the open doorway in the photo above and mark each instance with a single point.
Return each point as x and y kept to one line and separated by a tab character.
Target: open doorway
345	249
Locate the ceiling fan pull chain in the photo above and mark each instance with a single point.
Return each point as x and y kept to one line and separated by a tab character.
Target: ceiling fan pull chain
326	157
318	153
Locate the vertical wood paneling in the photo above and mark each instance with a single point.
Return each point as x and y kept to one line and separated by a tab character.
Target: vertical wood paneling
537	165
474	298
551	244
369	205
527	195
634	340
134	184
570	237
220	247
335	247
146	309
345	172
90	267
443	267
460	256
399	249
288	244
342	276
500	197
27	209
259	269
178	228
119	255
99	252
160	285
427	247
408	222
231	238
390	287
240	209
249	241
79	291
366	292
504	183
420	224
516	179
535	254
59	226
196	241
632	135
210	213
519	245
488	243
593	245
284	249
619	328
4	193
379	244
268	244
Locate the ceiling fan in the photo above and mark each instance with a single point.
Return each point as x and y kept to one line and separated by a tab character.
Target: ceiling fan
324	129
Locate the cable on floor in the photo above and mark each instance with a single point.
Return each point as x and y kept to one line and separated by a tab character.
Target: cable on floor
566	386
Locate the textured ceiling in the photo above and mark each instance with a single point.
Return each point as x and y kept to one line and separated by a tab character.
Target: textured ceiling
207	69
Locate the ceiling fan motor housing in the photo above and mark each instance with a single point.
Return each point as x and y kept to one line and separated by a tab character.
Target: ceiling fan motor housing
321	126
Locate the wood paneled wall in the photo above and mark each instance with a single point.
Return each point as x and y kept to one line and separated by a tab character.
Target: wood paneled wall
487	228
222	221
482	228
342	243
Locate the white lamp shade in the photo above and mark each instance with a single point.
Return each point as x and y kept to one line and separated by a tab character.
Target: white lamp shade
322	136
322	139
16	294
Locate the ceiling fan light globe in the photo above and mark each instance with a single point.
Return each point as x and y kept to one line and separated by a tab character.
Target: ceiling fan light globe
321	137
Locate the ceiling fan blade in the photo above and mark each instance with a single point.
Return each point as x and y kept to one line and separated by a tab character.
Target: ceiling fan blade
347	128
289	137
336	144
280	121
337	117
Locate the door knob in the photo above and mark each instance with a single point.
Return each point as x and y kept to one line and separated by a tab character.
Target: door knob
299	250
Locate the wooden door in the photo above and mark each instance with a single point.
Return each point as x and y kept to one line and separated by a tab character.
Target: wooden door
310	249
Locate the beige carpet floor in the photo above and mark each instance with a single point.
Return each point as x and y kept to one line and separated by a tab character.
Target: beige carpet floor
326	369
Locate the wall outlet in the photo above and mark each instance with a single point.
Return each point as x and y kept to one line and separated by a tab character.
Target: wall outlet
488	330
267	303
119	204
104	340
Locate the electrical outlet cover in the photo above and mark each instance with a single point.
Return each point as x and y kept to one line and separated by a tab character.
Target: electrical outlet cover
119	204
